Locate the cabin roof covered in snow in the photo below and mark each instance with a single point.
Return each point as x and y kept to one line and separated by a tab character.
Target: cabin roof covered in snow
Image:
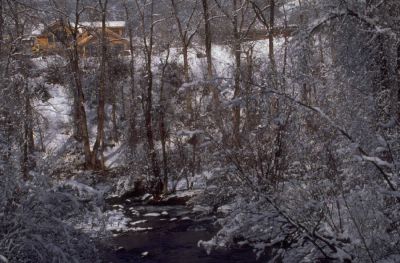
98	24
40	28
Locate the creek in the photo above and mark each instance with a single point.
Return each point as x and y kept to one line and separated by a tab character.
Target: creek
168	234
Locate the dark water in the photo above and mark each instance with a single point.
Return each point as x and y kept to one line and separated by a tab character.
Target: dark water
171	241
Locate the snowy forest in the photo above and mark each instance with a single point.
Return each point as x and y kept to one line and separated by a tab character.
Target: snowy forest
200	131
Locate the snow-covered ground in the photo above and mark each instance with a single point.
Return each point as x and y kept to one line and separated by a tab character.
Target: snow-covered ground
56	113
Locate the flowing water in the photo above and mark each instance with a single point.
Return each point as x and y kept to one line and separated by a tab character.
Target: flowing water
169	234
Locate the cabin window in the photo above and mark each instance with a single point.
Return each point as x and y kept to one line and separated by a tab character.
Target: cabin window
91	50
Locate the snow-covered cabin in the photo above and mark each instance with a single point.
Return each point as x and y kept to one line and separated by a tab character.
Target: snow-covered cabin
56	36
118	27
88	42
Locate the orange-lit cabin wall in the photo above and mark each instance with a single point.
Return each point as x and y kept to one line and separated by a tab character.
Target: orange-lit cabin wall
117	30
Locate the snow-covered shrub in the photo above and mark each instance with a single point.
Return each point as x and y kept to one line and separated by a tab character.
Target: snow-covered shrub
54	72
38	224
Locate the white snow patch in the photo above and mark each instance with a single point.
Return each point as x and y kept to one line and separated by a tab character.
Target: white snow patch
152	214
118	206
134	212
114	156
117	221
139	229
377	161
56	112
203	209
137	222
225	209
146	197
3	259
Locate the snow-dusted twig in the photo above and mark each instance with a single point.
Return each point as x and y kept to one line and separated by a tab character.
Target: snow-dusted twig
341	130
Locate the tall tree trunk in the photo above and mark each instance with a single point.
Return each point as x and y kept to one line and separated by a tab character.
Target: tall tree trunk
80	112
123	103
271	55
28	144
163	135
186	70
163	130
30	137
185	37
207	29
98	147
286	43
237	92
115	134
215	93
132	116
271	52
397	95
250	116
1	28
185	61
80	120
149	127
158	184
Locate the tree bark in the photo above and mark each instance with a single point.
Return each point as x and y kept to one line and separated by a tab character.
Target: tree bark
185	38
186	69
28	141
286	43
148	38
162	124
237	92
397	96
114	121
250	116
132	120
81	128
271	52
207	29
98	147
1	28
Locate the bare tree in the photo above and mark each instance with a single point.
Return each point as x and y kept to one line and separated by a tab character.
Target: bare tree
237	18
187	29
162	123
269	24
132	119
208	47
1	28
146	14
98	147
82	132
